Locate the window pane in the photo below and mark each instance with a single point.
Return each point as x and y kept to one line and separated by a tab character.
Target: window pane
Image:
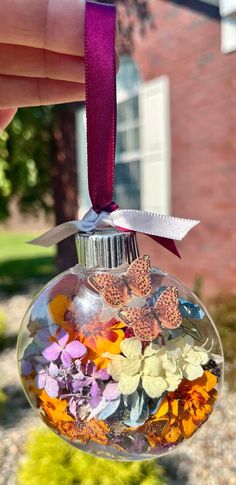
132	111
133	139
127	185
121	142
121	112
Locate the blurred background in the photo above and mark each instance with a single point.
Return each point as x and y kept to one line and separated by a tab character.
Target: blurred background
176	152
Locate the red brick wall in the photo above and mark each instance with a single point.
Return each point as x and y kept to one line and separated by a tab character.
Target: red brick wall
185	45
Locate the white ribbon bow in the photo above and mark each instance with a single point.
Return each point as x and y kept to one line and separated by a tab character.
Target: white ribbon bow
134	220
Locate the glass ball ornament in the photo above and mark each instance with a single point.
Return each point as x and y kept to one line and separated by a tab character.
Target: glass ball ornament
119	358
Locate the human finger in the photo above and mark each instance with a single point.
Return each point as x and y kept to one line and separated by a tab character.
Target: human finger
22	91
28	61
57	25
6	115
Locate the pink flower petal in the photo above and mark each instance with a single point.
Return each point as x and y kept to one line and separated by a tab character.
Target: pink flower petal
95	394
75	349
65	358
52	352
102	374
62	338
111	391
51	387
40	380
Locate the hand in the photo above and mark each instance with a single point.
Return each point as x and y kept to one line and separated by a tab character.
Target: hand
41	54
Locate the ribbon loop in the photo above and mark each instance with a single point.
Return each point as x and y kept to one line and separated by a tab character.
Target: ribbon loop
100	84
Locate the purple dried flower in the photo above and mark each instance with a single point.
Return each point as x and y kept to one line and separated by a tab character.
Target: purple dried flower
111	391
66	351
46	379
26	367
44	335
92	376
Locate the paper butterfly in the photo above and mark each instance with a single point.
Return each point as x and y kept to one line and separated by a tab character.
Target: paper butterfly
148	322
117	290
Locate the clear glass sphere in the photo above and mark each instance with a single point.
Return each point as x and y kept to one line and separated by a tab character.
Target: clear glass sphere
125	364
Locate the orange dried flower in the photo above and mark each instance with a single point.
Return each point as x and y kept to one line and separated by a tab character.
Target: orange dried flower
101	337
59	310
55	409
84	431
182	411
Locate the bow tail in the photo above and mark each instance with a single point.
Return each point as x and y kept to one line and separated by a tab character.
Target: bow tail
163	241
166	243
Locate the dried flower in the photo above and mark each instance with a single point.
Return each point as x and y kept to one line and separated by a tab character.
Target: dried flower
182	412
157	369
135	367
93	377
101	336
61	348
55	409
46	379
188	357
84	431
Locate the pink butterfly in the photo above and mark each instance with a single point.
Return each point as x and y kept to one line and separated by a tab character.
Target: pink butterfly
117	290
148	322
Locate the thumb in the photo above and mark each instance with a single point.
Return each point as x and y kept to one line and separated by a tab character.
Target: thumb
6	115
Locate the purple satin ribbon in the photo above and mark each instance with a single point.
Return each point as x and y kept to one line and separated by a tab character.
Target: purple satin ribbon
100	82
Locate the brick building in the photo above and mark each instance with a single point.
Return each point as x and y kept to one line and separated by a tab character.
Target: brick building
176	150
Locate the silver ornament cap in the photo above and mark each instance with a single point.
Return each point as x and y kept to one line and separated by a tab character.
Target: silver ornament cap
106	248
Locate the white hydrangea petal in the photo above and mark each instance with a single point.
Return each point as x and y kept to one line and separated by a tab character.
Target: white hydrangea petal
193	357
152	366
173	380
128	384
204	357
131	347
192	372
131	366
115	368
175	354
203	354
169	365
151	349
154	386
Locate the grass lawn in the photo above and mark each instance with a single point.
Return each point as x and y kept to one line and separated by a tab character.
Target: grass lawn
21	263
13	246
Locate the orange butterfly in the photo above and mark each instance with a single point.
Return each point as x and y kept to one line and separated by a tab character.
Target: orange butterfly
117	290
148	322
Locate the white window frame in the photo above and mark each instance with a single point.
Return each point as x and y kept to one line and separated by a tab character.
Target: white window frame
155	158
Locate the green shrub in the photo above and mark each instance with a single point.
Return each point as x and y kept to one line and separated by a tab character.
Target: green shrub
2	330
51	461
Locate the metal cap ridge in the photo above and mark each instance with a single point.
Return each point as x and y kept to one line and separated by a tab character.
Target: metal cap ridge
106	248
